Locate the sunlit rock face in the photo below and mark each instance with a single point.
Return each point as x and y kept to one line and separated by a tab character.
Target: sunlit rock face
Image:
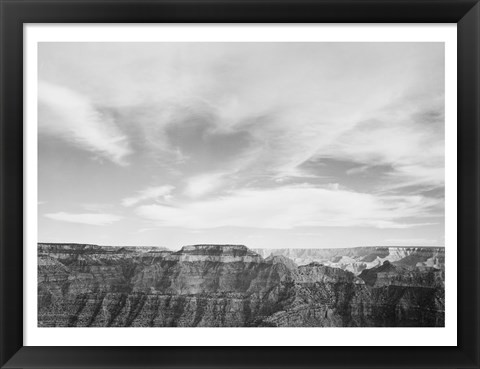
356	259
233	286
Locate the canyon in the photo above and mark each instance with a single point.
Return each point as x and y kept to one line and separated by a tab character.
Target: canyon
83	285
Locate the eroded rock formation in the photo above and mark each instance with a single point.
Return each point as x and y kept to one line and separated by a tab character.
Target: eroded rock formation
228	286
356	259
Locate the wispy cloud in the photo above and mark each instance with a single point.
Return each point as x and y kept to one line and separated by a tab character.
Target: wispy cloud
149	193
412	241
227	97
73	116
243	140
407	136
85	218
203	185
295	206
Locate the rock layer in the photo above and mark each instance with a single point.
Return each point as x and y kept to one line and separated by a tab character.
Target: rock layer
226	286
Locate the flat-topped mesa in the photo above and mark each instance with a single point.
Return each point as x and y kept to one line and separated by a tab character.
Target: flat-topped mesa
85	248
217	253
70	247
203	249
75	253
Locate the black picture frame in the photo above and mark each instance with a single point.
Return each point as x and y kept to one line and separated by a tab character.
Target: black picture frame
15	13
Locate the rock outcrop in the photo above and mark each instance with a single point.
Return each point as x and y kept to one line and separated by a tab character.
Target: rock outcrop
227	286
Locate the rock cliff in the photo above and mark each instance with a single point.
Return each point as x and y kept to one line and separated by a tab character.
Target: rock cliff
228	286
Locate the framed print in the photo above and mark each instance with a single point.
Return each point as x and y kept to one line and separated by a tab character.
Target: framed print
240	185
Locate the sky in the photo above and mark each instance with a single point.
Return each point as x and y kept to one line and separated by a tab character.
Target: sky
270	145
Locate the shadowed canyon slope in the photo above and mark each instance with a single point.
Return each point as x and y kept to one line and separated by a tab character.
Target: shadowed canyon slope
233	286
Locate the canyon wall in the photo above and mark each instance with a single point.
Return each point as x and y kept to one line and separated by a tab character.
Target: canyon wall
231	286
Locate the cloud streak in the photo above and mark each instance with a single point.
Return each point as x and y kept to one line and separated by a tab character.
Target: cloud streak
73	117
160	192
203	185
293	207
85	218
399	136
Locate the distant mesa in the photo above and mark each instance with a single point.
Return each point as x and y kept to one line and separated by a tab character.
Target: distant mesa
209	249
93	248
357	259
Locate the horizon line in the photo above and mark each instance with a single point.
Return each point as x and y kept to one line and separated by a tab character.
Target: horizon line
226	244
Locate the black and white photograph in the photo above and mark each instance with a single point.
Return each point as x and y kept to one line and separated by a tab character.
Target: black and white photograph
241	184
